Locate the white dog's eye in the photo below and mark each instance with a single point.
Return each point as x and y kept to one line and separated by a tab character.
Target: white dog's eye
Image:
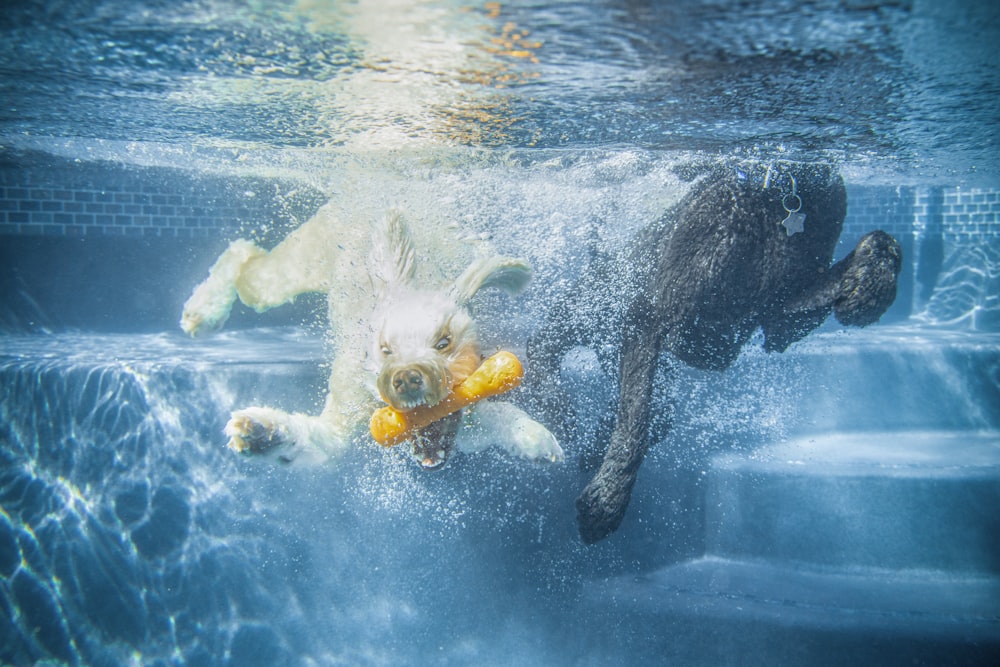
443	343
386	350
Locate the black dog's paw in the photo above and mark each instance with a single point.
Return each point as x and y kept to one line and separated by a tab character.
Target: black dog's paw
600	508
868	285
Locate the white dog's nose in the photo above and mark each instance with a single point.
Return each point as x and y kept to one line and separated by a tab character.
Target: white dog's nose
407	381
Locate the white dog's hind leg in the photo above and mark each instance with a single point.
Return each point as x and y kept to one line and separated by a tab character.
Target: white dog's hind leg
321	253
286	437
503	425
209	305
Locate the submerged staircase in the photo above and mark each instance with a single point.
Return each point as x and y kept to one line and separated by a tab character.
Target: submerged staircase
866	548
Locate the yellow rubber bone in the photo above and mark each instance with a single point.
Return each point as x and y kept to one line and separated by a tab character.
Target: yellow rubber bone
498	374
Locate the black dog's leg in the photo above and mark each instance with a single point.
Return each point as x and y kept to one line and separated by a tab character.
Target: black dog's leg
602	503
858	289
590	316
545	351
867	285
549	344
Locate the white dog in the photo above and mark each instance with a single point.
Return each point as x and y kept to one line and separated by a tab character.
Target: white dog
394	339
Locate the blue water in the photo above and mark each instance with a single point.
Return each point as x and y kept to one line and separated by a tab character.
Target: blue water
129	535
899	87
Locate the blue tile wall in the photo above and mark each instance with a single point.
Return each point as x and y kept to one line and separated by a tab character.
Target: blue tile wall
92	199
44	196
877	207
960	214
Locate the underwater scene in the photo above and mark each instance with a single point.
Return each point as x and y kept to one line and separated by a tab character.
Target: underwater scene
415	332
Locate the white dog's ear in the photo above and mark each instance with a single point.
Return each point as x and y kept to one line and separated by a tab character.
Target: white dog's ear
392	259
506	273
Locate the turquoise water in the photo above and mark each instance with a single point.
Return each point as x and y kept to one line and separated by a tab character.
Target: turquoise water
129	535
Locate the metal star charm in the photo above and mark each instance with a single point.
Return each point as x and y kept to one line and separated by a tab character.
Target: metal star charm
794	223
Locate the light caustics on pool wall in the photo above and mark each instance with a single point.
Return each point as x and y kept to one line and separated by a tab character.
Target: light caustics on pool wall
118	537
128	530
130	533
966	294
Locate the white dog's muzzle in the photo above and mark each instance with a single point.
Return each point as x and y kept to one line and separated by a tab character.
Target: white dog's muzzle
407	386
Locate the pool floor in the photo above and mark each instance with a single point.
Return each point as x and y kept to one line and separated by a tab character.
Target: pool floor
810	507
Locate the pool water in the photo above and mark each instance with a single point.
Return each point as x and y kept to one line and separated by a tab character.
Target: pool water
833	503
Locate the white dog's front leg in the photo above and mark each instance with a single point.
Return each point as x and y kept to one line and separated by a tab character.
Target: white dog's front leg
503	425
285	437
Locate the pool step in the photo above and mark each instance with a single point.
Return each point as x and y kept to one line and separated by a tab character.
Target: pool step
900	500
882	548
706	611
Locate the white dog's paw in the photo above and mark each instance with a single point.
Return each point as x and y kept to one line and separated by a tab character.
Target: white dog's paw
504	425
256	431
286	437
534	442
208	307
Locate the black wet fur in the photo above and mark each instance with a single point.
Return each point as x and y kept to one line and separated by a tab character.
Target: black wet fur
698	283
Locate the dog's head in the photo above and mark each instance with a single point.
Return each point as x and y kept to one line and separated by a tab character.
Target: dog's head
425	344
424	341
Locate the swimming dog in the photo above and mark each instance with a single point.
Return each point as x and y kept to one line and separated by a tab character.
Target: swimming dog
749	247
396	336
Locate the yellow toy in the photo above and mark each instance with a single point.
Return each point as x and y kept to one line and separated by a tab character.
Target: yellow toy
496	375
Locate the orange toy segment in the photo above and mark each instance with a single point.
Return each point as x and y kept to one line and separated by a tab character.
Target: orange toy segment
498	374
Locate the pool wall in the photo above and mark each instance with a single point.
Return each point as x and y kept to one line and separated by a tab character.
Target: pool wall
104	247
165	225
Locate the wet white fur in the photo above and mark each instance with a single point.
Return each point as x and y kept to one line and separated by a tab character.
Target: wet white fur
380	298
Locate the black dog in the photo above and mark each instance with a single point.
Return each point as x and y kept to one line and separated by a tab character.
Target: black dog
747	247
